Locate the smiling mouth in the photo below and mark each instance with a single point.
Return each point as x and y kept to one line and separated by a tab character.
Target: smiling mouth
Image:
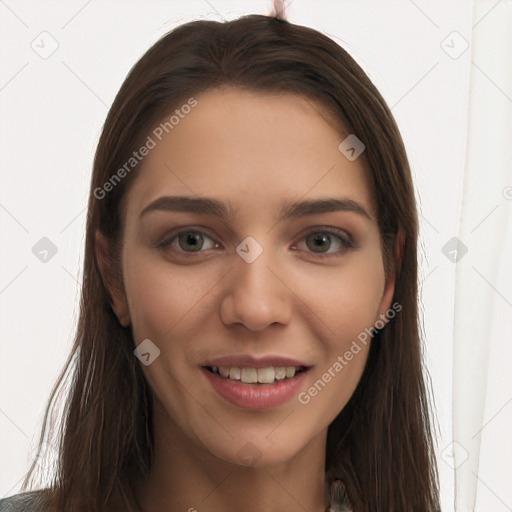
256	376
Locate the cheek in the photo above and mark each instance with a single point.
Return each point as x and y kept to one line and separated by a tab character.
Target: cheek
346	302
159	298
167	305
347	299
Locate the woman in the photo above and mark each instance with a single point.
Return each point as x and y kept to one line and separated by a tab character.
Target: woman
248	335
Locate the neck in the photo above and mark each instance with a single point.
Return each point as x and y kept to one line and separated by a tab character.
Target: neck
186	477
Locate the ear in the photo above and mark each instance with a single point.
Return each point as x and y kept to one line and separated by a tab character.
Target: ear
111	279
389	286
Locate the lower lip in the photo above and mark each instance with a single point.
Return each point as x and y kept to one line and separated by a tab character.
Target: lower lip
255	396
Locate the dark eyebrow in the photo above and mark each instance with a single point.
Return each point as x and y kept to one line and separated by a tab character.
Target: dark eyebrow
208	206
202	205
317	206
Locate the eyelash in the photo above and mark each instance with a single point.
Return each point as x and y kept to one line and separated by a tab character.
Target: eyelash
345	241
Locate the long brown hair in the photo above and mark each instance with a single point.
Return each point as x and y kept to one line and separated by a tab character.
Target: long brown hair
381	443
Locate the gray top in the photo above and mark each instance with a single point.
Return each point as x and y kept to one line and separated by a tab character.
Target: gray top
35	501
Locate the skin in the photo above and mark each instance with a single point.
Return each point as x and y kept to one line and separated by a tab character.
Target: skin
255	151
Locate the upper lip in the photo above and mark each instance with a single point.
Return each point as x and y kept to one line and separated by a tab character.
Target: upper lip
246	360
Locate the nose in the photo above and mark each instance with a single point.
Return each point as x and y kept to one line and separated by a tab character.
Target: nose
257	295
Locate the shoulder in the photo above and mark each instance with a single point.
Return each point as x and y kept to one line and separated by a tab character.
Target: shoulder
32	501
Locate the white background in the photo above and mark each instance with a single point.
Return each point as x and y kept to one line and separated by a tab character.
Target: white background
52	113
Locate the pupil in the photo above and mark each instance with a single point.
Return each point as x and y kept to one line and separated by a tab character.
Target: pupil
192	239
320	240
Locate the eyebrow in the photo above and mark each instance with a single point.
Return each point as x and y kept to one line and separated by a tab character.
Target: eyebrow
209	206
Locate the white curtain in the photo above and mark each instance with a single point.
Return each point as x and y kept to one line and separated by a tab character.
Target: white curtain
482	331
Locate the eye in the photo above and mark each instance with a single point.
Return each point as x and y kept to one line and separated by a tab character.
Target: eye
189	240
322	242
326	242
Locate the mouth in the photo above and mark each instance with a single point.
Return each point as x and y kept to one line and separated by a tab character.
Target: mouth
256	376
255	388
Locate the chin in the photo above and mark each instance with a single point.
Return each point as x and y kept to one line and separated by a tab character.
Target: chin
257	450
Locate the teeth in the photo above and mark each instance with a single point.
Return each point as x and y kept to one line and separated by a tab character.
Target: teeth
249	375
266	375
290	371
280	373
224	371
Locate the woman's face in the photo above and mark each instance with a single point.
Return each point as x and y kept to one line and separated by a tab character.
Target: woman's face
267	272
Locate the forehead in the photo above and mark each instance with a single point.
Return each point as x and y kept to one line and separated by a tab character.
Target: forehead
248	148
